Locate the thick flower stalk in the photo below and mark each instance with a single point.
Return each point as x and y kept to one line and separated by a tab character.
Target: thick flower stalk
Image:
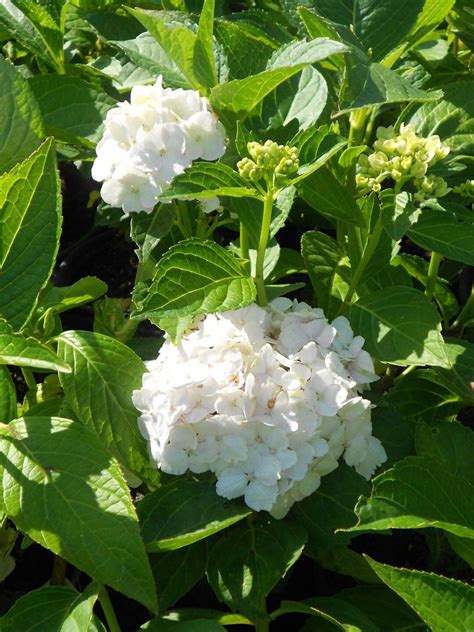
268	399
149	140
403	157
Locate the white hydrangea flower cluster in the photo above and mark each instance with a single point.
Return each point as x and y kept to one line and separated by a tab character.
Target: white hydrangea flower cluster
149	140
267	399
403	156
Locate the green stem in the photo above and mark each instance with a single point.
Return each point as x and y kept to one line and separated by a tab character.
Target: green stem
465	310
404	373
432	274
31	384
262	625
366	257
357	120
183	220
262	246
244	244
108	609
58	574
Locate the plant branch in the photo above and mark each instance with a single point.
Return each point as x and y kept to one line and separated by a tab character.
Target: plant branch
262	246
432	274
108	609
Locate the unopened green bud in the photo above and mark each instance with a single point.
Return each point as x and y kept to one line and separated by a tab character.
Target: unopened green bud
249	170
465	189
270	159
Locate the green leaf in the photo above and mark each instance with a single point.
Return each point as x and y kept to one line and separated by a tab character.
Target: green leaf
197	277
459	377
99	390
243	95
416	493
195	625
8	404
19	350
441	232
328	270
55	608
377	85
398	212
310	99
243	575
380	25
176	40
302	52
183	512
432	13
445	605
176	572
464	547
342	615
331	507
21	128
246	52
23	31
449	442
323	192
72	108
49	27
422	395
60	486
208	179
30	219
204	67
400	326
147	229
60	299
448	115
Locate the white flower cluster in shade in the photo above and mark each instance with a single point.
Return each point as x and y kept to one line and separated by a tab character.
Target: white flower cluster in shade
267	399
149	140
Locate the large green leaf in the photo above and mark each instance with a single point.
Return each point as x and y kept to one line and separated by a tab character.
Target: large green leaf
19	350
176	572
400	326
30	219
52	608
147	229
72	108
422	395
245	51
8	402
323	192
380	25
432	13
204	66
441	232
60	486
99	390
376	85
243	95
208	179
183	512
459	377
21	128
177	41
336	612
328	270
22	30
302	52
247	562
49	24
197	277
418	492
446	605
451	443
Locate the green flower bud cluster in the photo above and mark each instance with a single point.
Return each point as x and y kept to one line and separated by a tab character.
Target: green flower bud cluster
466	189
269	161
430	187
400	157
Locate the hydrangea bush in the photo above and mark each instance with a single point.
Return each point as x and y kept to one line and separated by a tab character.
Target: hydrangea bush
236	315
